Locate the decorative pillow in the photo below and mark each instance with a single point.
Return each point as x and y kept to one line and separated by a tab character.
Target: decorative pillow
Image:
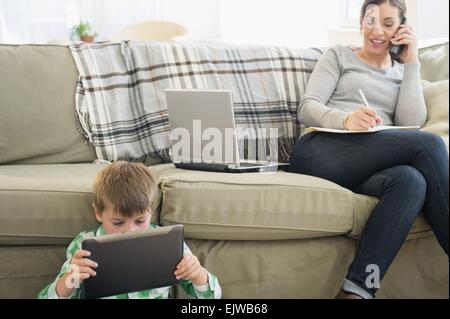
434	60
436	98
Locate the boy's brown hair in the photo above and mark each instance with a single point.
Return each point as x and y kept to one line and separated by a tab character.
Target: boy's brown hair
127	188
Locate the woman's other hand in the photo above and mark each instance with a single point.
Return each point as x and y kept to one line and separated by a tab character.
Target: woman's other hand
363	119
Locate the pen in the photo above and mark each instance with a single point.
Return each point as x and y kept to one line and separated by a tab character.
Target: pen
366	103
363	97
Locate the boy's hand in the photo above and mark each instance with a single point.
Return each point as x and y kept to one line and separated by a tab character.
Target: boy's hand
66	284
84	265
189	268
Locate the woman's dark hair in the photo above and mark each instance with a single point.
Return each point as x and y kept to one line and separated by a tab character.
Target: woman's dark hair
400	4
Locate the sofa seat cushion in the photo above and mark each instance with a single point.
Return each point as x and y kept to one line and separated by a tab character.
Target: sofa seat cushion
420	229
274	206
47	204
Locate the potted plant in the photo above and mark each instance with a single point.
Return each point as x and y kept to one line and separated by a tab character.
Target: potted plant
83	31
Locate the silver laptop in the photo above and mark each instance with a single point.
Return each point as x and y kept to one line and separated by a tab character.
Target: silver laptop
203	133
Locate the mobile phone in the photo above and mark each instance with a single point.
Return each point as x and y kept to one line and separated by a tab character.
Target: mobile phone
396	50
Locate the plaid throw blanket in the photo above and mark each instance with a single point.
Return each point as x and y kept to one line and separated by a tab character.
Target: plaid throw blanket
120	100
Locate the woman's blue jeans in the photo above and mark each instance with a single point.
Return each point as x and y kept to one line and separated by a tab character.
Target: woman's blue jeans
408	171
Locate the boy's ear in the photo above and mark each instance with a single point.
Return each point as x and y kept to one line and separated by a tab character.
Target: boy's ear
98	216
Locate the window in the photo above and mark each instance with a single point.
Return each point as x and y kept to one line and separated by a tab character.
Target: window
43	21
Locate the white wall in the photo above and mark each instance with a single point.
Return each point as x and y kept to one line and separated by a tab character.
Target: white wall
293	23
432	18
280	22
263	19
429	18
200	17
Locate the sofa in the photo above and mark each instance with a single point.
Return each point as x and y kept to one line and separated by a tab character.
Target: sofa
264	235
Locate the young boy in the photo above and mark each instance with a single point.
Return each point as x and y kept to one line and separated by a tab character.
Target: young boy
123	196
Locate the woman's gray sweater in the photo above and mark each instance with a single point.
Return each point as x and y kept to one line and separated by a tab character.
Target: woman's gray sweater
396	94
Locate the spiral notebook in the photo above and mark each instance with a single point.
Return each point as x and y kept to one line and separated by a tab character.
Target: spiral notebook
372	130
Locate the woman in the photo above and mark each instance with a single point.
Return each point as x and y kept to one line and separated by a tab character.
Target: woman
407	170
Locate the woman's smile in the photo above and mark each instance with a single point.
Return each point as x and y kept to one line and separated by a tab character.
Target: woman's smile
377	43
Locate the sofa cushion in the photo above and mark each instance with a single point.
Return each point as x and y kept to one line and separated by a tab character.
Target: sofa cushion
436	97
24	271
434	59
37	106
48	204
420	229
272	206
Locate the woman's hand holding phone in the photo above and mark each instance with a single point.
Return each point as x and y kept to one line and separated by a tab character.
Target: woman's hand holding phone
405	36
